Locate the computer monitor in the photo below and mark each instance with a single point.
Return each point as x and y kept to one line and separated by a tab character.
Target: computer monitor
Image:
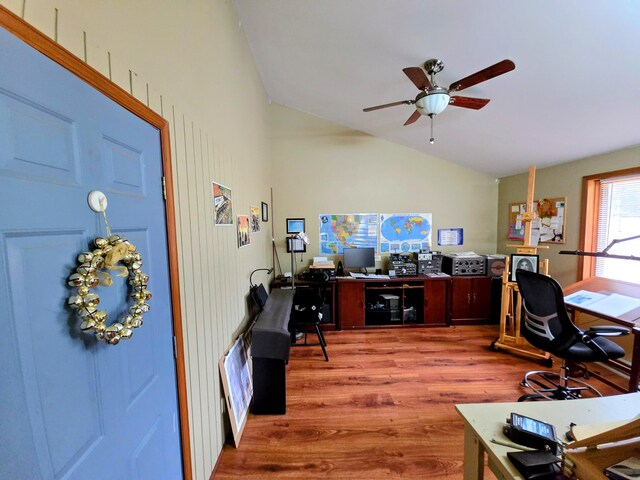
359	258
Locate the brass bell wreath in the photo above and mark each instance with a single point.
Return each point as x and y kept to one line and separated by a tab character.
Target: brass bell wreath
92	272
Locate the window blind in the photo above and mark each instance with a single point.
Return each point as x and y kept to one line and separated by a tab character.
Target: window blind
619	217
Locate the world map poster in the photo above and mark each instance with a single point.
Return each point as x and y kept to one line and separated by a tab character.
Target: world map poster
348	230
405	232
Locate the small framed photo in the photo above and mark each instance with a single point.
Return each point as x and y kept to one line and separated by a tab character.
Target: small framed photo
523	262
295	225
265	212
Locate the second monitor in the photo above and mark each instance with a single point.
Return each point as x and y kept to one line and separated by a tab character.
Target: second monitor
359	258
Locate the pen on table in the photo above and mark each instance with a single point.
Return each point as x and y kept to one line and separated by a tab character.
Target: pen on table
512	445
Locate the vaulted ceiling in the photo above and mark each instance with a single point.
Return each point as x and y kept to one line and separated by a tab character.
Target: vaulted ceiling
575	91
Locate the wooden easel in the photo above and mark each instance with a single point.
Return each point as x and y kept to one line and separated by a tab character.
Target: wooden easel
511	308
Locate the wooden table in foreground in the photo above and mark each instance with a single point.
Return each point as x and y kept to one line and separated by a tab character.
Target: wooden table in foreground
484	421
630	319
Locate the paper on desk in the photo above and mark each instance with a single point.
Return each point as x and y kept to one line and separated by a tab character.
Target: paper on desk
615	305
612	305
319	259
583	298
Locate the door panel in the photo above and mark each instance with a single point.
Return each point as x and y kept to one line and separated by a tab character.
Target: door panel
482	297
79	408
460	297
351	302
435	302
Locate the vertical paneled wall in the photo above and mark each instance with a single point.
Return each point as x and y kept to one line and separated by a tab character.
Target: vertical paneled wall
188	61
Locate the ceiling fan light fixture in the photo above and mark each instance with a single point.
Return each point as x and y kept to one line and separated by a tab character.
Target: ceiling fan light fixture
434	102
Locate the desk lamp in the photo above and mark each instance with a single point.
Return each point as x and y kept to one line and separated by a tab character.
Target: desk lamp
268	270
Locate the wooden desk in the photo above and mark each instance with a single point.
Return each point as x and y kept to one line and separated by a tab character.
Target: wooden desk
484	421
630	319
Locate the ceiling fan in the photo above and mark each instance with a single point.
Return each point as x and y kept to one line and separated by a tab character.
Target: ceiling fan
433	99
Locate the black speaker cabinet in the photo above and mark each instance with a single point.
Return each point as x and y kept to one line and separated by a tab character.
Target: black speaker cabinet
496	299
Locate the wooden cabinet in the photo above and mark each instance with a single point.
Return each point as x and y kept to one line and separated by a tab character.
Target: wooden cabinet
351	304
413	301
470	300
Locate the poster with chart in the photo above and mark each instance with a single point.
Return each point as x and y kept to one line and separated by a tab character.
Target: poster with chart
338	231
405	232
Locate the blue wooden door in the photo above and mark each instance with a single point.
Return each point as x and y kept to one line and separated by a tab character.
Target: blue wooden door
72	407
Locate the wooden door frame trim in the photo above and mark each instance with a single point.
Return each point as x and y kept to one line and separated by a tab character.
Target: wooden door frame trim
75	65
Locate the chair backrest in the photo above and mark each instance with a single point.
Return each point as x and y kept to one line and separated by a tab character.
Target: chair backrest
308	301
545	322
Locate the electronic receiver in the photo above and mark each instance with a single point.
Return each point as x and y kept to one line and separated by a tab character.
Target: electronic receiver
428	262
456	264
402	265
531	433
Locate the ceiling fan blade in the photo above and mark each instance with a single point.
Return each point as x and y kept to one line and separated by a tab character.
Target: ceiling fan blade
378	107
414	116
483	75
468	102
418	77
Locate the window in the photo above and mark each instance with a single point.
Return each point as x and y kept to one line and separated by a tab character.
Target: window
611	212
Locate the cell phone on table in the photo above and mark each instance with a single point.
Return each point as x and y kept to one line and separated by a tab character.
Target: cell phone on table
532	433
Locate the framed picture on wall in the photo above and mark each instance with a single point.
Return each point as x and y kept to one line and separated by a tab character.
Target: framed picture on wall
295	225
523	262
265	212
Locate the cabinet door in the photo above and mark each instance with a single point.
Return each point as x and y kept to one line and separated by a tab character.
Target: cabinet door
435	302
351	304
481	298
461	297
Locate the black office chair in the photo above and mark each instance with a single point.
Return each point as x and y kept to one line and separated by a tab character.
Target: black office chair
546	325
306	315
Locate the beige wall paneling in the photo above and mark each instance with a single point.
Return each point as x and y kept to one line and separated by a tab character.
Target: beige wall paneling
192	65
321	167
559	181
16	6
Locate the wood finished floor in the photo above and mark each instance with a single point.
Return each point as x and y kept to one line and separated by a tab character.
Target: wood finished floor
382	407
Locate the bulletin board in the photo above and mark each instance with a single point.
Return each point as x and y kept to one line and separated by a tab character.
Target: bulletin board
551	225
237	384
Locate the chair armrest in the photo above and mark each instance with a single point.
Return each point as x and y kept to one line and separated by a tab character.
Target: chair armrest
607	331
587	339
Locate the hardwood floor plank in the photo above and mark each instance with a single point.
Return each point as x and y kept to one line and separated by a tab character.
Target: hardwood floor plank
382	407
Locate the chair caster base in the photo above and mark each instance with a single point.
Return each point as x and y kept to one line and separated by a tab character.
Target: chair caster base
551	386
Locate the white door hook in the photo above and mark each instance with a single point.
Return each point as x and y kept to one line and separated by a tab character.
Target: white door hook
97	201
